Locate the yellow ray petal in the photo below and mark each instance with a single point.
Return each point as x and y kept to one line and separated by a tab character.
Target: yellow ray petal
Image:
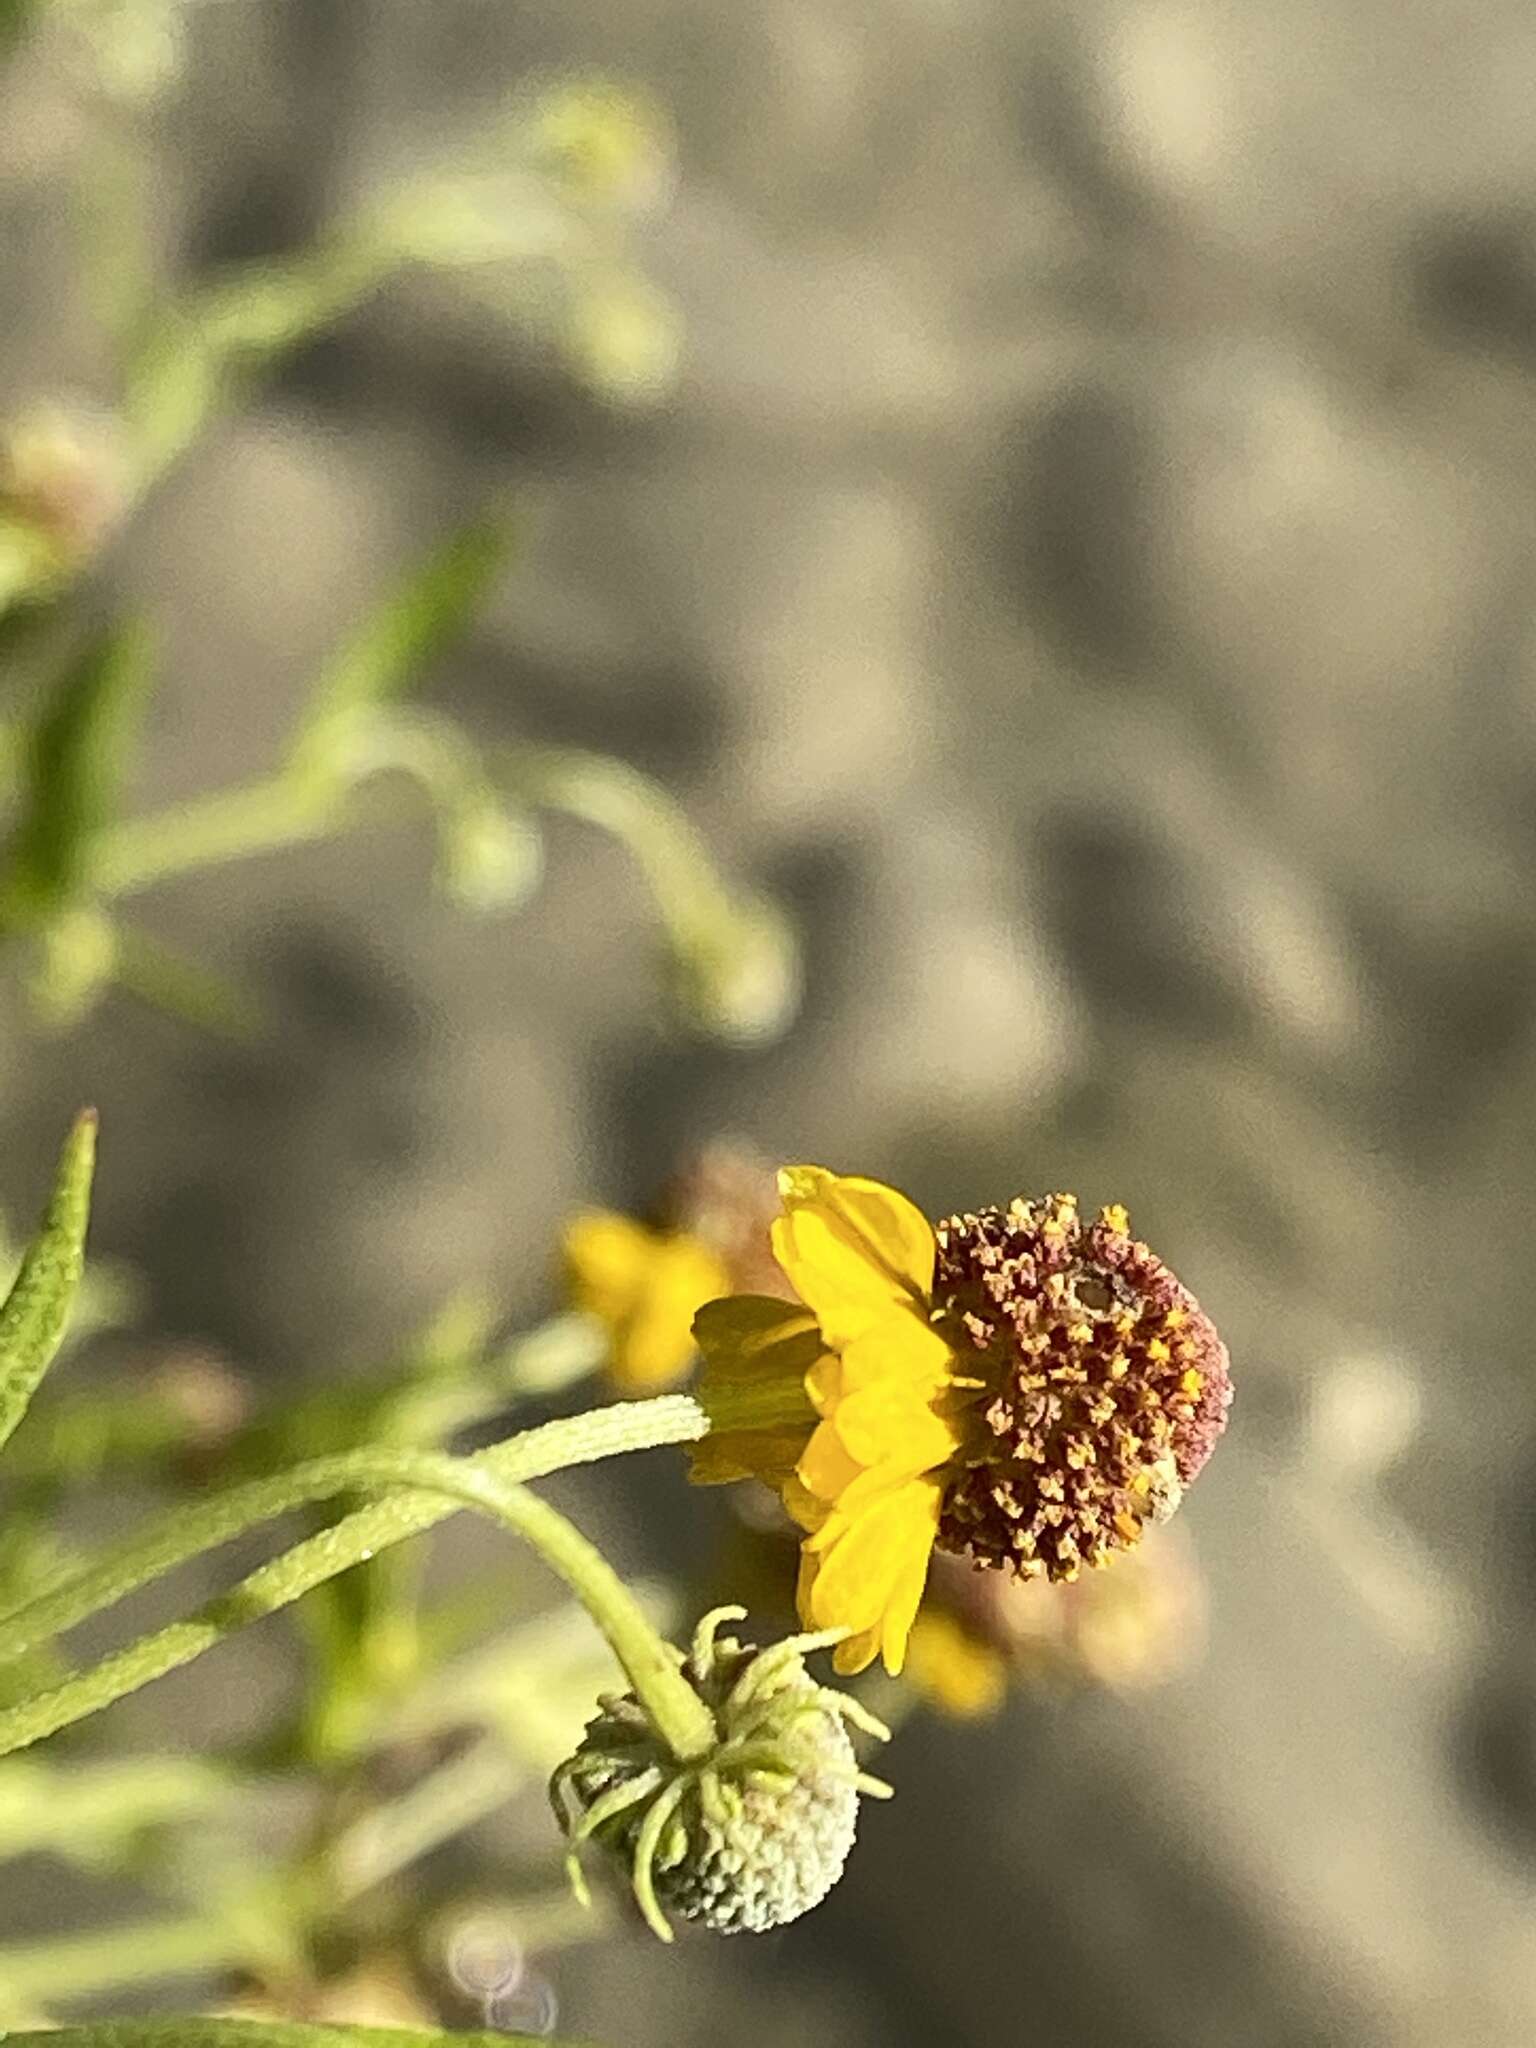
825	1467
824	1383
870	1565
888	1425
899	1348
906	1594
857	1652
853	1249
861	1494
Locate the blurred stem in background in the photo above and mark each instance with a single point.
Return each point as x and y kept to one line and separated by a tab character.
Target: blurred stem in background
735	963
117	1959
734	971
543	200
548	193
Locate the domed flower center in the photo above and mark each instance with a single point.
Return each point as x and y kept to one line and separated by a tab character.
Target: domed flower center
1100	1386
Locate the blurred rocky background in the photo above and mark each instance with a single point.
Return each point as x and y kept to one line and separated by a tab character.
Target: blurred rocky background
1084	568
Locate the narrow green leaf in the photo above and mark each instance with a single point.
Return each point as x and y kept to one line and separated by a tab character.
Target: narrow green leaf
185	988
36	1311
201	2033
73	763
87	1812
433	604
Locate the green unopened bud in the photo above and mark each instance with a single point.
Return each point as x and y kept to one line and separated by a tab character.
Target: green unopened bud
738	976
625	339
606	142
63	488
751	1835
490	857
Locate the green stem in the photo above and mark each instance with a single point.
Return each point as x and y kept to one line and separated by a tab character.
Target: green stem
422	1486
293	808
231	824
619	800
532	1454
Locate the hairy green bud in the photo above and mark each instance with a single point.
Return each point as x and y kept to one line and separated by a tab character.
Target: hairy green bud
755	1833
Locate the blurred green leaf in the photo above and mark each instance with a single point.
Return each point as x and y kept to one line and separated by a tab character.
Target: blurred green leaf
36	1311
432	606
73	764
95	1812
201	2033
187	989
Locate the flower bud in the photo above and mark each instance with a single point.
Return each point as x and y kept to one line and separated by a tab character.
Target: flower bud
490	858
63	490
755	1833
624	338
605	142
738	976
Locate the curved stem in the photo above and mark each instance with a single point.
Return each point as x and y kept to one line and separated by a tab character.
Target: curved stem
291	808
422	1486
532	1454
643	817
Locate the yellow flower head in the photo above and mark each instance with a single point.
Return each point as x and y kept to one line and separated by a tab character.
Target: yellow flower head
643	1286
1014	1386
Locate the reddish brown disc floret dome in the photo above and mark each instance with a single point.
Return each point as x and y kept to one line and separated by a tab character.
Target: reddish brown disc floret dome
1100	1386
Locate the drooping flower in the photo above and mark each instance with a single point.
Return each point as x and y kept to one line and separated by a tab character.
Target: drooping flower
1012	1386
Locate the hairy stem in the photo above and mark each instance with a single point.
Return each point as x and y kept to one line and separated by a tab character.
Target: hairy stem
422	1488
